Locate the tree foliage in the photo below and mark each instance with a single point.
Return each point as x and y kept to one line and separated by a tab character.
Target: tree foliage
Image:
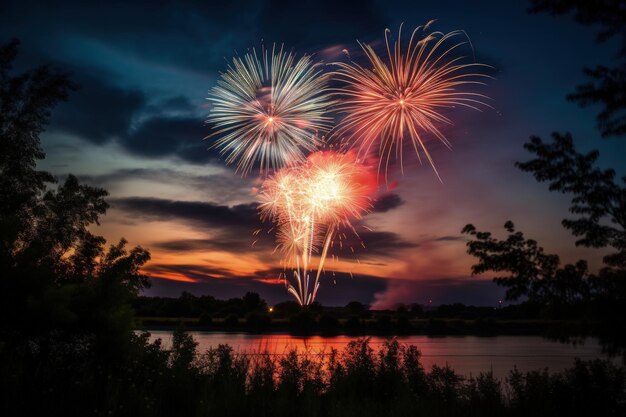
531	273
607	85
598	200
55	273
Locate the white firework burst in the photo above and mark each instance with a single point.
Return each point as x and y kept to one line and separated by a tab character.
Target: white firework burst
269	109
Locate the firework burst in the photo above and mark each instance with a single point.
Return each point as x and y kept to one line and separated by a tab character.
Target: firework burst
269	109
308	204
403	96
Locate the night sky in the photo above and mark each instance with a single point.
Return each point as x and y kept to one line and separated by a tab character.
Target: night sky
136	127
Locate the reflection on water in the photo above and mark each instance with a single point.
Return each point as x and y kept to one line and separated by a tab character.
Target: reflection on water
466	354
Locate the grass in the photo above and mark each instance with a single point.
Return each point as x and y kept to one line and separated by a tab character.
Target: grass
145	380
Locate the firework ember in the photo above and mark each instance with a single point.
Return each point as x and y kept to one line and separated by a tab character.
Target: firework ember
403	96
269	109
308	204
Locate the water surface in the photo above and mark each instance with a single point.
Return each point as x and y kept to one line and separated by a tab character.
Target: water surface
468	355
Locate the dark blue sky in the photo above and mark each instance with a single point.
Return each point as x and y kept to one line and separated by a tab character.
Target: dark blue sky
136	127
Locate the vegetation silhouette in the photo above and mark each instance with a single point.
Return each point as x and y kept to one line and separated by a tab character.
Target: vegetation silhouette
607	85
65	298
598	199
601	206
68	342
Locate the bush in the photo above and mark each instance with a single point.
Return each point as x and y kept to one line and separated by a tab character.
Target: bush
232	320
149	381
258	320
353	325
205	319
303	322
384	324
328	323
404	325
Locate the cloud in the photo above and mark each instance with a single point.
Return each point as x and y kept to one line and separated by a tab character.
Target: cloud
171	136
187	272
379	243
242	218
335	288
165	56
386	202
203	214
98	111
178	103
449	239
223	242
223	186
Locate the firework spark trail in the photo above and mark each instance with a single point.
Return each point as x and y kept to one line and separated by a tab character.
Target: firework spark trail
269	109
307	204
403	97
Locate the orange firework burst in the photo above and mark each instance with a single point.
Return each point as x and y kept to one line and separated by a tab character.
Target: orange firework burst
307	204
404	96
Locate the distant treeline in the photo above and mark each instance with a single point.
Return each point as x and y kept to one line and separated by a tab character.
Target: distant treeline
190	306
252	314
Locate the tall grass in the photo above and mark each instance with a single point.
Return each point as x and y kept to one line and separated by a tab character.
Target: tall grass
356	381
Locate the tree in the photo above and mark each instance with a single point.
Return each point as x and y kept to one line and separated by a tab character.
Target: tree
607	85
532	273
356	308
25	104
253	302
54	273
599	201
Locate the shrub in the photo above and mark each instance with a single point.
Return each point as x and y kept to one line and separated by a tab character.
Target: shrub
328	323
257	320
232	320
205	319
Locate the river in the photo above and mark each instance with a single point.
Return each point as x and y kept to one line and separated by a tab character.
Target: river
467	355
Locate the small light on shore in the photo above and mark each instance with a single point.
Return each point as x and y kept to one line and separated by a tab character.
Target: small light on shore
270	309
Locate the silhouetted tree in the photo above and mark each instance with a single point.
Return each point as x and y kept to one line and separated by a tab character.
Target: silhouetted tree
55	273
286	309
609	15
601	205
531	273
254	302
64	298
25	104
356	308
597	198
607	85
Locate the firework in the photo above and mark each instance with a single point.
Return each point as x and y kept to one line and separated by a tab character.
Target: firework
403	96
308	204
269	109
